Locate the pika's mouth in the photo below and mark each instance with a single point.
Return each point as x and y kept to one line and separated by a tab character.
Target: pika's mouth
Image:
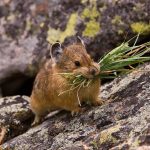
89	76
88	72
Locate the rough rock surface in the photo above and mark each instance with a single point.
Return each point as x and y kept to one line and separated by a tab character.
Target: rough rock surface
123	122
14	116
26	26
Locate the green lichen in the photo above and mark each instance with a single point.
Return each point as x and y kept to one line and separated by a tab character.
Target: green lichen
92	26
141	27
58	35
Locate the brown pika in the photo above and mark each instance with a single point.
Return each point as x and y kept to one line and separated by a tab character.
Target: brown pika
48	91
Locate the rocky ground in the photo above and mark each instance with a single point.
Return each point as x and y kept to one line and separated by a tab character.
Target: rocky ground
123	122
27	28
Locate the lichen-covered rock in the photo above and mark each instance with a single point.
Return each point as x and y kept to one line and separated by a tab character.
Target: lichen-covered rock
123	122
26	26
15	116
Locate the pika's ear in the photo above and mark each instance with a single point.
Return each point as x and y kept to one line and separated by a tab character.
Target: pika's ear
79	40
56	51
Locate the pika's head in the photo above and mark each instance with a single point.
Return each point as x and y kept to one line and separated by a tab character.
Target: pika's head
75	59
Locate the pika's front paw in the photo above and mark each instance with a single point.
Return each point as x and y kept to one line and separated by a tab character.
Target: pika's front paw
77	111
98	102
37	121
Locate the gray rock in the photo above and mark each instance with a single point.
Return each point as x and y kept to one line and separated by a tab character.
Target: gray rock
15	116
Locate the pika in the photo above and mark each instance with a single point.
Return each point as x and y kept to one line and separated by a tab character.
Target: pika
50	82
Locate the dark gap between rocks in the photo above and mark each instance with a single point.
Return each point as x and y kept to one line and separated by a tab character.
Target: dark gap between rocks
17	84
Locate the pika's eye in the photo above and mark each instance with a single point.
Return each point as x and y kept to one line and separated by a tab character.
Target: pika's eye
77	63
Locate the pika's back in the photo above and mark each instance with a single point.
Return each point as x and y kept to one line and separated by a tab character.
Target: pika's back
42	79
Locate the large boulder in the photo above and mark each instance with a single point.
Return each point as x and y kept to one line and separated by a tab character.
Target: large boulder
26	26
123	122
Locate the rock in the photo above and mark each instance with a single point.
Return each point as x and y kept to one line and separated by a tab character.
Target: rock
123	122
15	116
26	26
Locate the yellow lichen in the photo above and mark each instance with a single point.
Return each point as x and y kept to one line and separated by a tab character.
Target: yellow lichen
70	29
138	7
92	28
114	1
117	20
42	24
28	24
106	135
140	27
134	143
53	35
120	32
94	144
90	13
84	1
58	35
11	18
102	8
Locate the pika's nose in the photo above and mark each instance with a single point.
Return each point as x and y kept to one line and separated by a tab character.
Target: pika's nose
93	71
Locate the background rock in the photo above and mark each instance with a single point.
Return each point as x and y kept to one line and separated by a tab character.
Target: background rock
123	122
26	26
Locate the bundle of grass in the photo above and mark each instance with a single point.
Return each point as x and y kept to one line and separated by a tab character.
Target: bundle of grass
120	60
117	62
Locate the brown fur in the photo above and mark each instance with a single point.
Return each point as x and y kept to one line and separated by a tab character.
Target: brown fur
49	84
